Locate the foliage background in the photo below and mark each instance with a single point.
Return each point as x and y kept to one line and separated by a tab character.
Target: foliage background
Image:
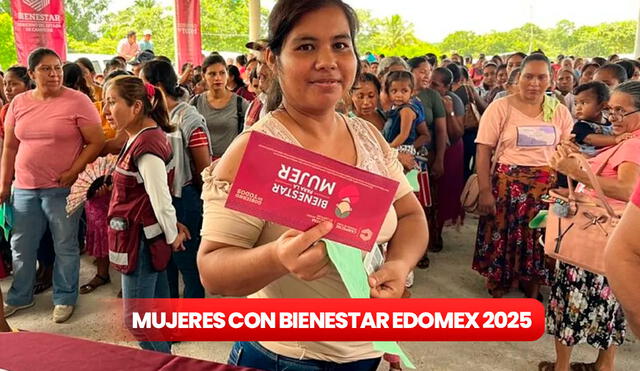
92	28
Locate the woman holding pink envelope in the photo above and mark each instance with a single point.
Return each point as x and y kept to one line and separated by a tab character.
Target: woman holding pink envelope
313	56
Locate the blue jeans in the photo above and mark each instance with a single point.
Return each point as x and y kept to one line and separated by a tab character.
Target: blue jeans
32	210
146	283
252	354
189	212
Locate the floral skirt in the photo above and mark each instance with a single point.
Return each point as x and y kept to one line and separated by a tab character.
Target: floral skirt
582	309
507	250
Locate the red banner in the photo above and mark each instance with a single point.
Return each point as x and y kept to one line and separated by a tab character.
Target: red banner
188	37
36	24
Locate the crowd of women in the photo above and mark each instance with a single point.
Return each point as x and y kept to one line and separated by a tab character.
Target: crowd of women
513	120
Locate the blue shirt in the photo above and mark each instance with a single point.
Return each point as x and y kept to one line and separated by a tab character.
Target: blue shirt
393	124
144	45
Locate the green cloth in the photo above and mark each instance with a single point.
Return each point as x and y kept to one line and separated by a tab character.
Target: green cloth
348	262
549	107
412	177
6	219
540	220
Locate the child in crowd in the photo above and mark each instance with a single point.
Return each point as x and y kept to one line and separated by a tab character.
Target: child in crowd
406	113
593	130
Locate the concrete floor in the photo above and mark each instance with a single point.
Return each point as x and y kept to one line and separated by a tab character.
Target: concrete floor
450	275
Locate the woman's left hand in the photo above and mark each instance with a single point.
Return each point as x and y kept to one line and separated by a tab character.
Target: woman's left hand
407	160
67	178
388	282
563	163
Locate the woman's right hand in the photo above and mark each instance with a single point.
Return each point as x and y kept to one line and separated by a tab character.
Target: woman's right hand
5	193
303	254
486	203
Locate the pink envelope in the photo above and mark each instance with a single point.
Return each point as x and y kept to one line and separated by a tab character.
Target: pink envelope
289	185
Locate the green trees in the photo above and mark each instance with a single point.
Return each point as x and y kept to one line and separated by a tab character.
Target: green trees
91	28
565	38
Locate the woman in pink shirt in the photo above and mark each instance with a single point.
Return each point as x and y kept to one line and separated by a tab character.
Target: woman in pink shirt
582	307
51	133
623	262
528	125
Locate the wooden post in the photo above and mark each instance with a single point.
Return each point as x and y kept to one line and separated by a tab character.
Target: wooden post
254	20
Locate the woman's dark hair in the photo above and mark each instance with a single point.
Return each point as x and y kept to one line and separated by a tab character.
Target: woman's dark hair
73	79
163	58
22	74
456	72
446	75
234	72
132	89
589	65
617	70
631	88
464	73
211	60
514	76
162	73
415	62
490	64
38	55
520	54
432	59
497	60
599	61
121	59
612	57
367	77
599	89
114	74
241	60
537	57
399	76
284	16
86	63
627	65
502	67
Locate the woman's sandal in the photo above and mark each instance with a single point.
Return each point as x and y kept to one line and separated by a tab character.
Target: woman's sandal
498	292
546	366
581	366
424	262
92	285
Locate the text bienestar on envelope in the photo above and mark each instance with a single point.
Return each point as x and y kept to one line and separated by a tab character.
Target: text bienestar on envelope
289	185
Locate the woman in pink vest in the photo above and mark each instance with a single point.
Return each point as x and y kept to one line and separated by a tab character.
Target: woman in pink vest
143	229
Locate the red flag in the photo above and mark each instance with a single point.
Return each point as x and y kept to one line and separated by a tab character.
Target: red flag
188	37
38	23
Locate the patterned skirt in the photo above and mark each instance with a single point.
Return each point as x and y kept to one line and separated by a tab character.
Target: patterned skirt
507	250
582	309
96	210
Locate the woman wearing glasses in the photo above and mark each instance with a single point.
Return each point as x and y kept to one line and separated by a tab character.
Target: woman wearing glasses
582	308
51	133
